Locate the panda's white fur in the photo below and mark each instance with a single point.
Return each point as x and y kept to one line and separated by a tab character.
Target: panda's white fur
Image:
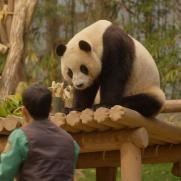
144	76
73	61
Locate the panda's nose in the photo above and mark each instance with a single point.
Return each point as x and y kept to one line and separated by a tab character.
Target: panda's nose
79	85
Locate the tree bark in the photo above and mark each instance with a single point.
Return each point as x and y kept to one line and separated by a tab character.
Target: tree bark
23	10
10	9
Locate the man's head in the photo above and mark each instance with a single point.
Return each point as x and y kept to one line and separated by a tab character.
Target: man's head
37	101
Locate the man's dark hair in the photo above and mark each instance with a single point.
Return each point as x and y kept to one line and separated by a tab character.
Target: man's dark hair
37	100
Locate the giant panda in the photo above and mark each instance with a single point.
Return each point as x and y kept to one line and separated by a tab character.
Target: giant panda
103	57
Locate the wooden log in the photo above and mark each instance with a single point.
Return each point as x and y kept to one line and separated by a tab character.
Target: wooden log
7	125
73	119
101	115
3	49
130	162
87	117
110	140
106	174
60	120
172	106
152	154
157	129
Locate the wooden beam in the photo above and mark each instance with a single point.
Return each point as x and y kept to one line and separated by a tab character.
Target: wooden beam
111	140
153	154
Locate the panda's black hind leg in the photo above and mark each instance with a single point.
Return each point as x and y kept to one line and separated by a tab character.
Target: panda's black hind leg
145	104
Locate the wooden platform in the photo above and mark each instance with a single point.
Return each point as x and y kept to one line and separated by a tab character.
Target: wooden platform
118	136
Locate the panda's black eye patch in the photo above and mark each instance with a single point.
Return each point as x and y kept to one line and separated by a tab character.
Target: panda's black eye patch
70	73
84	69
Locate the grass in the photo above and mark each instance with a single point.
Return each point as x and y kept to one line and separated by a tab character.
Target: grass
150	172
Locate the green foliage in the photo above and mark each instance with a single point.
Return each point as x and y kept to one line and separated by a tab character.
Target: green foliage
150	172
155	24
10	105
43	69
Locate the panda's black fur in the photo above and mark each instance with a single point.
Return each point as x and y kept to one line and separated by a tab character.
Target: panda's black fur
119	48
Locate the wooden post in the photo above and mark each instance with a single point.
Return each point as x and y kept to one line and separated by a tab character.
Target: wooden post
176	169
106	174
131	156
130	162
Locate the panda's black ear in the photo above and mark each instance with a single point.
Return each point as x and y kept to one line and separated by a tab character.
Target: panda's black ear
84	46
60	49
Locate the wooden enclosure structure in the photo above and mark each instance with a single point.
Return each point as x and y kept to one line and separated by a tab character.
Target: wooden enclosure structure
110	138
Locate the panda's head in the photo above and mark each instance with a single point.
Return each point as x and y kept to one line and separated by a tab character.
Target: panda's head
80	66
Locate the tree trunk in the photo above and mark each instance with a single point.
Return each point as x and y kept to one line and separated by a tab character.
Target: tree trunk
23	10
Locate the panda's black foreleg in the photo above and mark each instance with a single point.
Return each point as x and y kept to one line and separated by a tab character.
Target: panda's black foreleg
145	104
85	98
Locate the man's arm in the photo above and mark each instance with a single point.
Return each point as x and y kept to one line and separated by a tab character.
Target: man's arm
13	155
76	153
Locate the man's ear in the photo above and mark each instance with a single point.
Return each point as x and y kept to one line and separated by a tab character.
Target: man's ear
60	49
26	114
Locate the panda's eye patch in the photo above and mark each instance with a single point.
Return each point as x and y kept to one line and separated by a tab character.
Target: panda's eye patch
84	69
70	73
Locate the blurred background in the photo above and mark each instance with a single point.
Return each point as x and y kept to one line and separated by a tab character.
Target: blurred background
156	23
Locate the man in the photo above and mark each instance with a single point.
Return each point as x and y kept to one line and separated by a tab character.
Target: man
39	151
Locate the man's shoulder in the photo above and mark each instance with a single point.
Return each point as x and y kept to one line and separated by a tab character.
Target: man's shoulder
17	133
